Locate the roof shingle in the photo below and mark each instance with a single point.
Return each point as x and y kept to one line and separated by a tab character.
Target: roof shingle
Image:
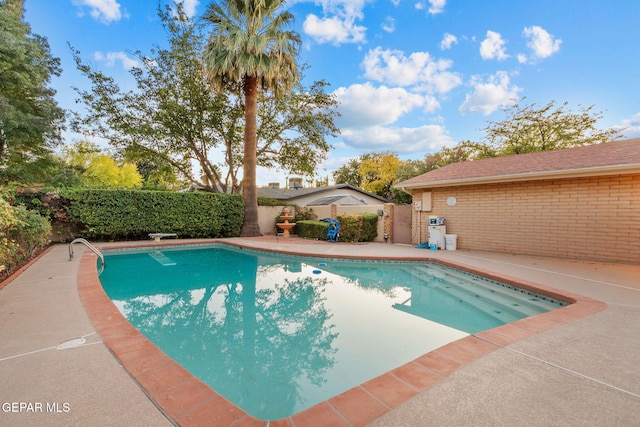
293	194
590	159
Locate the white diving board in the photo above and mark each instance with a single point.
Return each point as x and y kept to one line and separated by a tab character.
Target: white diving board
157	236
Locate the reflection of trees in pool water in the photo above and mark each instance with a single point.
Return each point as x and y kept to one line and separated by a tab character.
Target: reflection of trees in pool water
259	344
378	277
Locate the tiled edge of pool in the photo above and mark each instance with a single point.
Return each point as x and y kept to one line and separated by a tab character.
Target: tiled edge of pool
188	401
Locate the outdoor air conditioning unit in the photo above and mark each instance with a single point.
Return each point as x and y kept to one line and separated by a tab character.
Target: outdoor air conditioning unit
295	183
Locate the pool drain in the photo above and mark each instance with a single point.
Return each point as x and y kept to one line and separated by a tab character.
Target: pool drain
76	342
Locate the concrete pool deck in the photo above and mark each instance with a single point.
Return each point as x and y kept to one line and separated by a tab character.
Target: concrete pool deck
579	365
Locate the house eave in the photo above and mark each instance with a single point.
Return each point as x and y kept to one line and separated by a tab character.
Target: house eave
530	176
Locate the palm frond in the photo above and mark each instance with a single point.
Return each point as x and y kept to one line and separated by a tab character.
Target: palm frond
249	38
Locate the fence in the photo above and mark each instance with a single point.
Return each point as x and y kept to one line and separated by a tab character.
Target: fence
267	217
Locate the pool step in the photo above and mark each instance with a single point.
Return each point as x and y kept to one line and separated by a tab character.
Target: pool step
502	310
164	260
504	294
473	290
499	291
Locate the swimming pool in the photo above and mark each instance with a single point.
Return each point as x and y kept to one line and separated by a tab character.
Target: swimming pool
276	334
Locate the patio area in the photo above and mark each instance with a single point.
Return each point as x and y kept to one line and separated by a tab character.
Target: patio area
60	365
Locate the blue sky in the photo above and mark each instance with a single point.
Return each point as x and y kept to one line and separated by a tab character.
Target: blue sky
411	76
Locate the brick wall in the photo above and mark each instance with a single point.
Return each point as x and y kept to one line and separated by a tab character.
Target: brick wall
583	218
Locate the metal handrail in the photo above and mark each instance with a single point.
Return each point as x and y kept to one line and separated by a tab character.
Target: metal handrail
89	245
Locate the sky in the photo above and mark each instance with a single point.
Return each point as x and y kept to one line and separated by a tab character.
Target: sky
410	76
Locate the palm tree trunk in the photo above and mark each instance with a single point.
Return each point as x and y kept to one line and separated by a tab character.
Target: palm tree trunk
250	226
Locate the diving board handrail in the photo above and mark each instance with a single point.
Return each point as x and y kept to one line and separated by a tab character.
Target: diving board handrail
87	244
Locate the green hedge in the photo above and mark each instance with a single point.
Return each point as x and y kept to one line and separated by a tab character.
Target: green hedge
358	228
353	228
312	229
130	214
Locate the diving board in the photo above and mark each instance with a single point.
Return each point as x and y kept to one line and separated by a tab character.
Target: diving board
157	236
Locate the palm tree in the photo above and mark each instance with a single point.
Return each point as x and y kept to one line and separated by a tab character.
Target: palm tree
249	46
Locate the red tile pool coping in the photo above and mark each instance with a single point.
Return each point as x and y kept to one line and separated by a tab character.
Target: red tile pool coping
188	401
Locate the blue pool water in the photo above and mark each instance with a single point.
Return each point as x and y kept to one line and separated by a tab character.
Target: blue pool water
276	334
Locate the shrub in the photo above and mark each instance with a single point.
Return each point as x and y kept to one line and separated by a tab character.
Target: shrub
304	214
31	232
353	228
7	217
11	256
23	234
130	214
266	201
350	227
46	201
369	227
358	228
312	229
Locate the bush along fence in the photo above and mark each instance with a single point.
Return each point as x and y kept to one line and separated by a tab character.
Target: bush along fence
358	228
126	214
23	234
113	214
353	228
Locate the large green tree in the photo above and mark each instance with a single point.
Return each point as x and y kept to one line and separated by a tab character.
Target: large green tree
407	169
172	116
175	117
250	45
378	173
528	128
292	128
348	173
98	169
30	119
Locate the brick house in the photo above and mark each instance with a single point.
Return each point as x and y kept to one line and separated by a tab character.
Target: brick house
581	203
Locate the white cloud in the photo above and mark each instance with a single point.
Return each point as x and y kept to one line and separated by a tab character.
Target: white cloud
489	95
492	47
338	24
111	58
363	105
541	42
447	41
437	6
105	11
418	69
367	110
189	7
389	24
333	30
421	139
395	2
630	127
